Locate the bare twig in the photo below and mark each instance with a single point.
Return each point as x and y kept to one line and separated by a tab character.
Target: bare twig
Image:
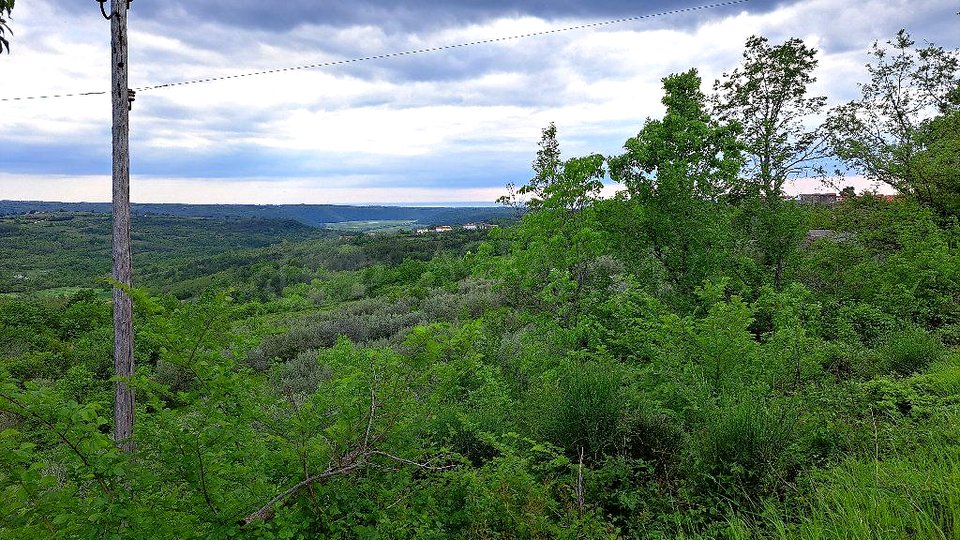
267	511
373	410
580	483
426	466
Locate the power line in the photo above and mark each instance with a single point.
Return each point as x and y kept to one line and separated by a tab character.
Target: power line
411	52
53	96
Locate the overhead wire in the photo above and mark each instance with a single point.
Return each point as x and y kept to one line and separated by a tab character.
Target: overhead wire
411	52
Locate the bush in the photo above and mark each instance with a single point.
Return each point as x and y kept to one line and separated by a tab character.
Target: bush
362	322
581	408
745	449
911	351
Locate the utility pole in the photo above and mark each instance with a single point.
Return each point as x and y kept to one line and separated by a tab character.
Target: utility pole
123	403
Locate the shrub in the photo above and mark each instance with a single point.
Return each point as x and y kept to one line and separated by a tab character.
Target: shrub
582	407
745	449
911	351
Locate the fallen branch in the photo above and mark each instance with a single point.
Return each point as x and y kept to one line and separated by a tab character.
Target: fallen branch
267	511
353	460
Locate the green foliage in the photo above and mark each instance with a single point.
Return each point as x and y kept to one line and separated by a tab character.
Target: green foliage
768	97
580	406
676	171
901	131
911	350
915	496
745	449
557	250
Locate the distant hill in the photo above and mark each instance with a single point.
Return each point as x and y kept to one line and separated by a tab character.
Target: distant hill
315	215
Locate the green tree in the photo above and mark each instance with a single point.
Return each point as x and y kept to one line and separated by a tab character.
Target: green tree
547	170
903	129
678	171
558	244
937	161
768	95
6	11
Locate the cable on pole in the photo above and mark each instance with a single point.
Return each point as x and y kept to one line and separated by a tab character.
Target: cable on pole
411	52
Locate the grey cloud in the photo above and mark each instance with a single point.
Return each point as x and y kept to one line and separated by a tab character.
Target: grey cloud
405	16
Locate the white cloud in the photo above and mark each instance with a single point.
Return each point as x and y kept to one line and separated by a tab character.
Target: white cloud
492	100
327	190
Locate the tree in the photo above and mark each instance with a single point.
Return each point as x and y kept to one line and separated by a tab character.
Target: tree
557	243
547	169
6	10
677	171
905	119
937	162
768	96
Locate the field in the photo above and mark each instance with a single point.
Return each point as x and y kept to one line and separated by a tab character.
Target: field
373	226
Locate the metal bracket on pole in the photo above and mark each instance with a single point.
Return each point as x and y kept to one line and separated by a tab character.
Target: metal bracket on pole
131	97
104	11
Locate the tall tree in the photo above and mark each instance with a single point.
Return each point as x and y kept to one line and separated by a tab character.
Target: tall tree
905	112
768	95
557	243
6	11
547	170
677	171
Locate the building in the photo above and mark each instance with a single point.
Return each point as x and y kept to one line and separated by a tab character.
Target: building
816	234
443	228
824	199
477	226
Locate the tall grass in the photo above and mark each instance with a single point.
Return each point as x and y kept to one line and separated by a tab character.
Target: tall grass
911	350
915	497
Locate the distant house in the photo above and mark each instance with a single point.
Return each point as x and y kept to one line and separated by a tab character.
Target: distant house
823	199
422	231
443	228
477	226
816	234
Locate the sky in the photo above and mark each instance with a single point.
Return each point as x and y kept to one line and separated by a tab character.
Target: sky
448	127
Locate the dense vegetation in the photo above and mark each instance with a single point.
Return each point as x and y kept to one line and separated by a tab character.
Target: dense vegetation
51	251
308	214
679	361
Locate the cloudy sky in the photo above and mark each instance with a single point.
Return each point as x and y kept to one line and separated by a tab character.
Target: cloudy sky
447	127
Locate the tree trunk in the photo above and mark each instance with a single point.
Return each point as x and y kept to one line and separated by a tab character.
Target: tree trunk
122	265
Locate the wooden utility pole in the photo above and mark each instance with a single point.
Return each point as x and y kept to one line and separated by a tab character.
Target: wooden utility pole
123	403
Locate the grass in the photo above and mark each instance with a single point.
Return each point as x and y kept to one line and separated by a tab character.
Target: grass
900	498
381	226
